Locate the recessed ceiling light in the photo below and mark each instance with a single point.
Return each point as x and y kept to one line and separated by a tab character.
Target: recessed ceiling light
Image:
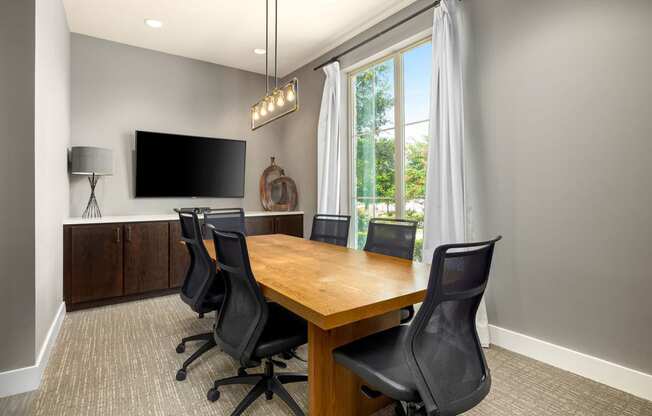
259	51
153	23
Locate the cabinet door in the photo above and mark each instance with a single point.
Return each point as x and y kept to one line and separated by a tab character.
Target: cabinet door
96	262
179	257
290	225
146	257
259	225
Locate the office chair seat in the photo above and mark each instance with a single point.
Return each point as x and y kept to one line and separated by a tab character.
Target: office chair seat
378	359
284	332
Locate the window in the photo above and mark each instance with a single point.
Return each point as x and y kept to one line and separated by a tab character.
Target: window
390	105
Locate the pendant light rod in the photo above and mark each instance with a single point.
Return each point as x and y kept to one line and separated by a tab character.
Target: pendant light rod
275	44
266	46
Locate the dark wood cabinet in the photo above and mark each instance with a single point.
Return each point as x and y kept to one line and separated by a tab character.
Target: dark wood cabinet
112	263
95	262
289	224
179	257
260	225
146	257
275	224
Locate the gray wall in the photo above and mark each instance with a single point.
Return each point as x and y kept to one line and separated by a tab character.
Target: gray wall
52	139
117	89
559	161
17	184
562	97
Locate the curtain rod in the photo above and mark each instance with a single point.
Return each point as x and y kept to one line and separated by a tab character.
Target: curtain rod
377	35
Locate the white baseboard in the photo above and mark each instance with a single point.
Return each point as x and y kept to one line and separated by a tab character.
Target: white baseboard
22	380
605	372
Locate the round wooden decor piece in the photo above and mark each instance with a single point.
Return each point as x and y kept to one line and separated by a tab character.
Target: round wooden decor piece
277	191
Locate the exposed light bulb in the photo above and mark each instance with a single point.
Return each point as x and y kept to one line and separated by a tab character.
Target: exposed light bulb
290	95
280	101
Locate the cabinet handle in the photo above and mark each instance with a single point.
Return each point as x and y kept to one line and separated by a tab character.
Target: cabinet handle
129	233
117	235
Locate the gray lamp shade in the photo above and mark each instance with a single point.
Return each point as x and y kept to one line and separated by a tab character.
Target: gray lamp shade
86	160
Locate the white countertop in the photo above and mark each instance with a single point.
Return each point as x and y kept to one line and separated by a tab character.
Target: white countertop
161	217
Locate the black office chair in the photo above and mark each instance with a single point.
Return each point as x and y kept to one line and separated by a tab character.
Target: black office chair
251	330
202	290
224	219
393	237
333	229
435	364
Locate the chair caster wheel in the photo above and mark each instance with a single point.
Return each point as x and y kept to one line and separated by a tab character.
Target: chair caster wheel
287	356
242	372
213	395
181	348
181	375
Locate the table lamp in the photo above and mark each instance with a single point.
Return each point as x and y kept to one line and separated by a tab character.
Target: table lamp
93	162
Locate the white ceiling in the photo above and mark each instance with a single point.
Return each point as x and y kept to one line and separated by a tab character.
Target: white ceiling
227	31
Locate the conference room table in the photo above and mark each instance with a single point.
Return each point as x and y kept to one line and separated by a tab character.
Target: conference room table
343	294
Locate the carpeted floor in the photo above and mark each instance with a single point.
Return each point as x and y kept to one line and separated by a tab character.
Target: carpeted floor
121	360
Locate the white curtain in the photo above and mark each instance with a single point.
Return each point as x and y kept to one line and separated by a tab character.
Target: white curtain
329	144
445	210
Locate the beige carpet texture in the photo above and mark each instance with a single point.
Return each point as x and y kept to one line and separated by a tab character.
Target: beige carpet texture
121	360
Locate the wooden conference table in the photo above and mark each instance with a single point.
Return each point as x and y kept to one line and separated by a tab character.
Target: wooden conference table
344	294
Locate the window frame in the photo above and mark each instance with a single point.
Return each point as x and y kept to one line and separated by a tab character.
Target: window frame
399	127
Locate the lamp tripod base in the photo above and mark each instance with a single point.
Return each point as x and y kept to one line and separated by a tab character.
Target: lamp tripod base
92	208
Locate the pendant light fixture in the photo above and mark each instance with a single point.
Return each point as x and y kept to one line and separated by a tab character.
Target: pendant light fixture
280	101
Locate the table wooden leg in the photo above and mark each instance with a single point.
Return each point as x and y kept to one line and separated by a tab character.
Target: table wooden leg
332	389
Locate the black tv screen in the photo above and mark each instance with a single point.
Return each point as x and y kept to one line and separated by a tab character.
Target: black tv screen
171	165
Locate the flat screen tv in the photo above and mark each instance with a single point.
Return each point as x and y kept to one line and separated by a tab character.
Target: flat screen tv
171	165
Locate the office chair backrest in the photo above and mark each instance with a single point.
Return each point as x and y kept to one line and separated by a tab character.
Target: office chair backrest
225	219
201	273
392	237
244	312
442	346
333	229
